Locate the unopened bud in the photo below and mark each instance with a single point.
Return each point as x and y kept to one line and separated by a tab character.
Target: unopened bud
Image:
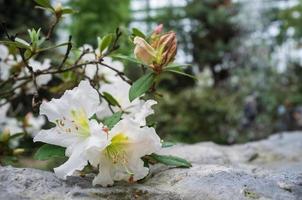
158	29
5	135
143	51
18	151
58	9
166	45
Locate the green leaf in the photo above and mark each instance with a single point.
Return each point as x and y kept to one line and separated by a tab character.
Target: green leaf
128	58
171	160
48	151
15	44
53	47
45	4
181	73
167	144
176	66
112	120
106	41
110	99
66	11
137	32
141	85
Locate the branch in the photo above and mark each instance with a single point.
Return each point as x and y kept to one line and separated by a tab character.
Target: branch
67	52
52	27
119	73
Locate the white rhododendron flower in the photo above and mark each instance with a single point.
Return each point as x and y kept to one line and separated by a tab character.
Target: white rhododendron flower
4	66
33	124
73	129
121	159
9	124
138	109
107	75
117	152
41	79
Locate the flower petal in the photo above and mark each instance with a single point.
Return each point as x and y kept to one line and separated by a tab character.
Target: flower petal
104	178
52	136
72	100
76	161
136	166
141	110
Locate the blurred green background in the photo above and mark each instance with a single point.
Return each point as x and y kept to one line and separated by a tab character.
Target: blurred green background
246	54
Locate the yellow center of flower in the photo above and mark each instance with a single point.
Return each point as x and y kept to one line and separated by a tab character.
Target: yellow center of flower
115	151
78	123
81	122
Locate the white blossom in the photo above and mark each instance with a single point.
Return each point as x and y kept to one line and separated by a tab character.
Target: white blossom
4	67
9	124
137	110
33	124
106	74
73	130
121	159
41	79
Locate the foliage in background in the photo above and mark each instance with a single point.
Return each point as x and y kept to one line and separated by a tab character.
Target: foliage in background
19	14
97	18
212	37
205	112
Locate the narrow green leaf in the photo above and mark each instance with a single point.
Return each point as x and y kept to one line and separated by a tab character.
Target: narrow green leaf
129	58
66	11
110	99
141	85
181	73
48	151
21	41
176	65
112	120
15	44
137	32
106	41
171	160
45	4
47	9
53	47
167	144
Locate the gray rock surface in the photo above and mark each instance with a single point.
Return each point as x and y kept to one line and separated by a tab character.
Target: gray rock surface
267	169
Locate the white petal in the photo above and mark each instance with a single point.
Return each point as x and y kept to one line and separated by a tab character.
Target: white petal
119	90
13	126
3	111
141	110
4	71
82	97
105	111
3	52
136	166
43	79
104	178
52	136
76	162
46	64
36	65
90	71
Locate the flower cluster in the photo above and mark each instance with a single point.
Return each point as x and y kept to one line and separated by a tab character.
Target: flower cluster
117	152
101	122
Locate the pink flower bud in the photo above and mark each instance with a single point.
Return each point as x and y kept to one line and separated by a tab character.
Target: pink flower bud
166	45
158	29
143	51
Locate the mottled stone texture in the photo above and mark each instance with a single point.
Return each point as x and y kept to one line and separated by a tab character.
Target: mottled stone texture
267	169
